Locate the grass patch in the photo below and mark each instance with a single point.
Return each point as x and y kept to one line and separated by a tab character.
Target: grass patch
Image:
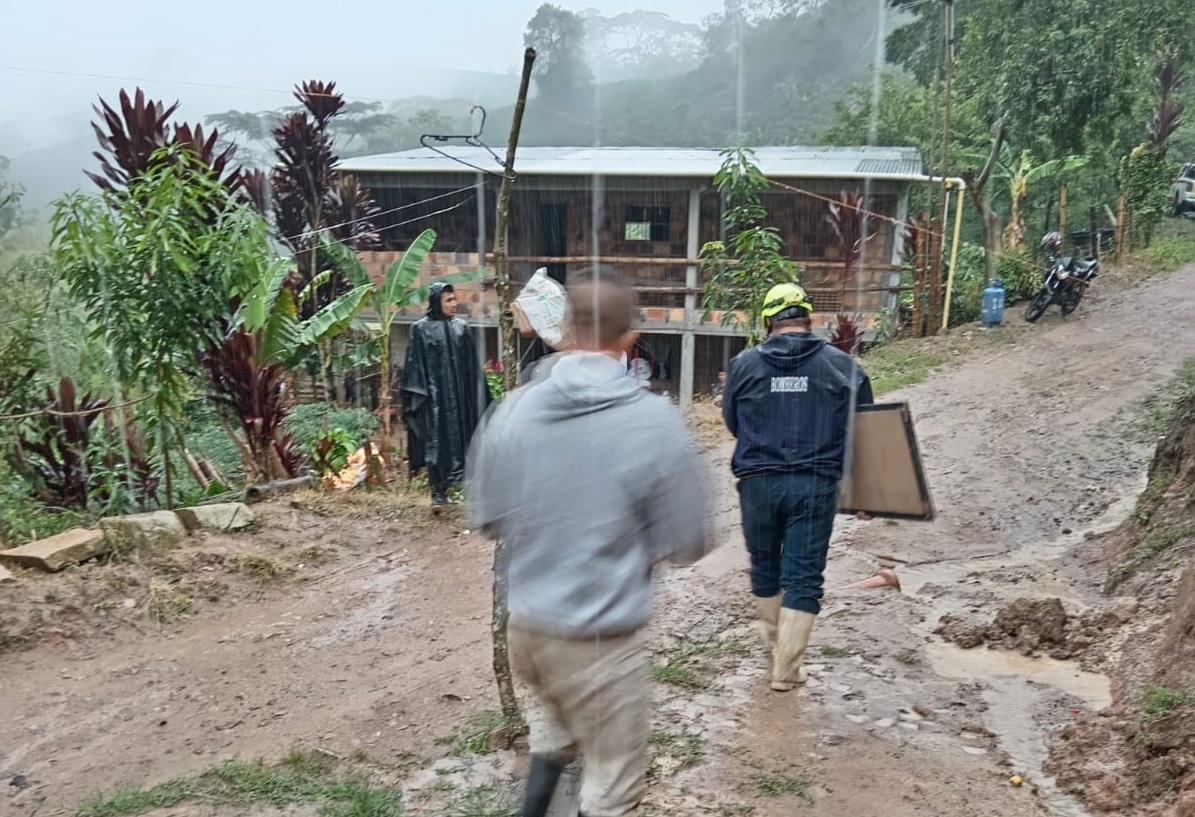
830	651
1158	409
901	363
686	748
1160	701
688	666
1169	253
908	657
679	672
478	738
1163	537
776	785
300	777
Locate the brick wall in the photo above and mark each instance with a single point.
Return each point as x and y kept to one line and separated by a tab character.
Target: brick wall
474	299
477	301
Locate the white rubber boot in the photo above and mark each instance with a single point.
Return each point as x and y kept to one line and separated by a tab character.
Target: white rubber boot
792	637
769	618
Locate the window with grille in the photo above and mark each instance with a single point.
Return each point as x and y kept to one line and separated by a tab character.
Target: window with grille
647	224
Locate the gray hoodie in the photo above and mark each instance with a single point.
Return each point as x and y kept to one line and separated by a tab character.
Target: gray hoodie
590	480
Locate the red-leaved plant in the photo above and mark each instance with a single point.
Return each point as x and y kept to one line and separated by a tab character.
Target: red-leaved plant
847	334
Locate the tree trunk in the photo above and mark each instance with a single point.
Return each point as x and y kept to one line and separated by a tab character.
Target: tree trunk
513	726
992	238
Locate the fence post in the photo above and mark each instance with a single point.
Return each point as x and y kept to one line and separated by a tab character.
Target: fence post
934	268
1062	218
1119	225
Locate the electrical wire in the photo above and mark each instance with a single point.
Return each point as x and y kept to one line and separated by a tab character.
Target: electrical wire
373	216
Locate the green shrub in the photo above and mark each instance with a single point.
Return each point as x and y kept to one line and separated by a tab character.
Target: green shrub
966	299
23	518
308	422
1021	274
207	438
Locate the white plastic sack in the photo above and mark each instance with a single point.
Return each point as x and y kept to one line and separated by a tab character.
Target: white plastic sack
542	303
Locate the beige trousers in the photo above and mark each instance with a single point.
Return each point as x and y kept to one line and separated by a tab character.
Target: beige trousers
591	699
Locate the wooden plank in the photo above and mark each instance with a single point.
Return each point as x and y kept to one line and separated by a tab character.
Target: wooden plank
666	261
886	477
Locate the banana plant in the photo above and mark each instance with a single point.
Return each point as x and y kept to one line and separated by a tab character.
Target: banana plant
273	309
399	289
1014	174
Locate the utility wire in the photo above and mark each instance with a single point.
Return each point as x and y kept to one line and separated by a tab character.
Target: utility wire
351	222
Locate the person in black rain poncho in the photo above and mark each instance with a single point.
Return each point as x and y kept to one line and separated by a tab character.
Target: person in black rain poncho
443	393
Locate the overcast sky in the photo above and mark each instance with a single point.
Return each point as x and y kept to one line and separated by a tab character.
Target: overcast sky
374	49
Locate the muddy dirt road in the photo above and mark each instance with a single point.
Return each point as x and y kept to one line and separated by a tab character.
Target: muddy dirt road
376	638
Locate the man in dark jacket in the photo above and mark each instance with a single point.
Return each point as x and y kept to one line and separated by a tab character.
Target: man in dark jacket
443	393
789	404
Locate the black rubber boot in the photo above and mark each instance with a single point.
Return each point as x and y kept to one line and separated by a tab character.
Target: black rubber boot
542	778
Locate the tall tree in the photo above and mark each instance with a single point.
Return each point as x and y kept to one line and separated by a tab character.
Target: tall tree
558	37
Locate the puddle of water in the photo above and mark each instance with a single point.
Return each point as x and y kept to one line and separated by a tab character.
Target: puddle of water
980	664
1011	700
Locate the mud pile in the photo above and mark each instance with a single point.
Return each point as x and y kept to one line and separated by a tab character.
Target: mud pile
1036	627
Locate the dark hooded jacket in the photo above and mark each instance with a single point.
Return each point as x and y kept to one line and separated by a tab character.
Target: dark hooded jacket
443	392
788	402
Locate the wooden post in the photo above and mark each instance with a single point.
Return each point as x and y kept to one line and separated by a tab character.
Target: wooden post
513	726
1095	233
510	359
919	264
1062	218
1119	225
688	340
934	270
958	223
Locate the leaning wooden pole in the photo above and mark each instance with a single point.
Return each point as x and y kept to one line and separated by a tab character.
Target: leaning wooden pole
506	320
513	725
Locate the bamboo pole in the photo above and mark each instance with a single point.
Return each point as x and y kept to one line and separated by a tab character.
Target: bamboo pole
958	223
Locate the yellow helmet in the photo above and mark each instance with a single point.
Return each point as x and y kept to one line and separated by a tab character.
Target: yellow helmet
782	297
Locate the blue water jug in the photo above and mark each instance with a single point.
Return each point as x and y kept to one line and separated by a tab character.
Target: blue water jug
993	303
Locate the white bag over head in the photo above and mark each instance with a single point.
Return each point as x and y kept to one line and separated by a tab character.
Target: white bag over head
542	302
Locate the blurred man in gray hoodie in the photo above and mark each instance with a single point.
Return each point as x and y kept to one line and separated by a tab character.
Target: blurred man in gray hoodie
590	481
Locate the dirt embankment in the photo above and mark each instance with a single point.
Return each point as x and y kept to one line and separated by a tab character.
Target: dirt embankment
1138	757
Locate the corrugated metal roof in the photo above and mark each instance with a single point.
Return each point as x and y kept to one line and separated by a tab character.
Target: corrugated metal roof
775	162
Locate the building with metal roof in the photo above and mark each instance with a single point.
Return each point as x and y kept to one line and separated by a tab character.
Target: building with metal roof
648	211
780	162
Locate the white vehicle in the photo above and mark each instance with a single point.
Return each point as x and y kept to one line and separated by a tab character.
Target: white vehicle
1182	192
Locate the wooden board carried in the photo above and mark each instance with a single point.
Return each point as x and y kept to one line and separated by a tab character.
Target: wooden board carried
885	476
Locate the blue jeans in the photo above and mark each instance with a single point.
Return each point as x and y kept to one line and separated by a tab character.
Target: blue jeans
787	522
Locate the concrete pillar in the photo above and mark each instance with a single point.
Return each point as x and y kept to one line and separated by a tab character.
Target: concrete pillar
892	299
688	342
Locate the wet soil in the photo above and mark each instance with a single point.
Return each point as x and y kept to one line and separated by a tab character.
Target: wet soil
381	645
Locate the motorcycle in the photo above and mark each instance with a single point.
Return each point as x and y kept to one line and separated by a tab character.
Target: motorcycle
1067	278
